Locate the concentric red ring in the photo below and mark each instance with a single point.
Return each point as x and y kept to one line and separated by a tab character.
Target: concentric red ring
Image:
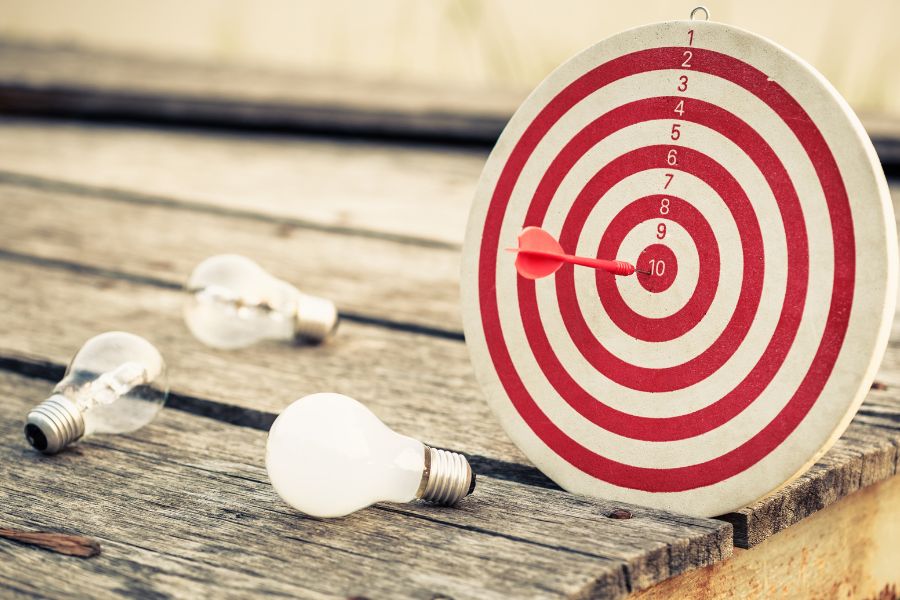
750	452
605	362
683	320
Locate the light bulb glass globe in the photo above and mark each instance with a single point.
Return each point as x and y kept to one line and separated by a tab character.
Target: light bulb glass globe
327	455
116	383
233	303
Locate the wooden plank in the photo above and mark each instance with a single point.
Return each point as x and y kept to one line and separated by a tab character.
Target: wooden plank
76	82
864	455
848	550
413	192
183	508
79	82
417	193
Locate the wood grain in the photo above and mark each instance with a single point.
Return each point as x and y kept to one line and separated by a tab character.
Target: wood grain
413	192
864	455
847	550
383	279
183	508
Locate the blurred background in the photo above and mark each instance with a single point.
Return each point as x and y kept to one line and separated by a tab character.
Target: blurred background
488	46
338	144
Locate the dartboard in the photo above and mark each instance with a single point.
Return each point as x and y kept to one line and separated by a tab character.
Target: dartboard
747	195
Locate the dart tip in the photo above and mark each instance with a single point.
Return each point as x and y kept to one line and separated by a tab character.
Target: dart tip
644	272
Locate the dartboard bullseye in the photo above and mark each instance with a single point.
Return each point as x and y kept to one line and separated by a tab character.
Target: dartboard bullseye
703	272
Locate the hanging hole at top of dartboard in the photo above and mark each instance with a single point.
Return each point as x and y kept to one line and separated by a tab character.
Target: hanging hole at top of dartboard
700	13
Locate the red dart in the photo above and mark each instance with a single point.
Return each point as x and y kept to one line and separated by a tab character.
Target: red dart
539	255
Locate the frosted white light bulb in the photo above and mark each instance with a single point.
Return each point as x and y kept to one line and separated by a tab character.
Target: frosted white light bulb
116	383
233	303
328	456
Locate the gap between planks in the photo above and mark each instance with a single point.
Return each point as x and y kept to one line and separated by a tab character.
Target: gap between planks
132	197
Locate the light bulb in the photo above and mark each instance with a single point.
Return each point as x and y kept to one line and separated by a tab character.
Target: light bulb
233	303
116	383
327	455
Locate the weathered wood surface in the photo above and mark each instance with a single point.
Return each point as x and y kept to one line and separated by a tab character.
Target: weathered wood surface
418	384
54	225
866	454
74	81
183	508
391	280
848	550
415	193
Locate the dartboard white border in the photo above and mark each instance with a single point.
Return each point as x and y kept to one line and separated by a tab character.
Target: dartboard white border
870	317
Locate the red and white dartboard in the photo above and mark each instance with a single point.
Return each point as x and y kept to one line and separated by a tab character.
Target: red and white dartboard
736	175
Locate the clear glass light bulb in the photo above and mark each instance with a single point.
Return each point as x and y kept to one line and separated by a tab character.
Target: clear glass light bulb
233	303
328	456
116	383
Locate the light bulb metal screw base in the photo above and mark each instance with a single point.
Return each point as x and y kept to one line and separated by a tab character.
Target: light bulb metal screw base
316	319
447	477
54	424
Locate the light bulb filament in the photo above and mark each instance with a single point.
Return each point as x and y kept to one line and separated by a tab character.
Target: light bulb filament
222	295
119	374
232	303
112	385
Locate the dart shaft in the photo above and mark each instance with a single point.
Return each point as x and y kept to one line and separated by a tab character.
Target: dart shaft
616	267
